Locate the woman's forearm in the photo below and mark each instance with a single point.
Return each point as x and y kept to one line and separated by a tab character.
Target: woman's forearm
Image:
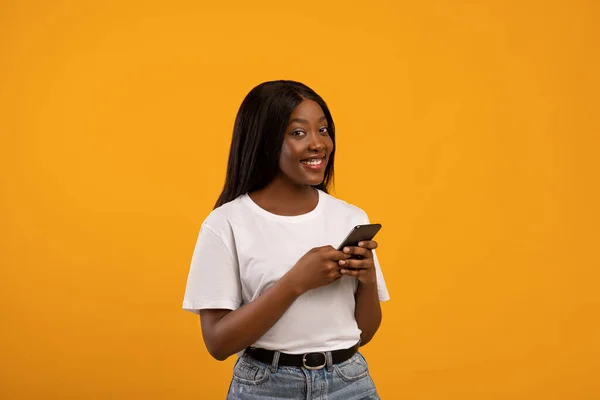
233	331
367	311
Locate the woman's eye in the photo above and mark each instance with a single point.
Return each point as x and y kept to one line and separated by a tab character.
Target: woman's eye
297	133
324	129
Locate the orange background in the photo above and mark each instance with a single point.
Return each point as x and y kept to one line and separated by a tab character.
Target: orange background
469	129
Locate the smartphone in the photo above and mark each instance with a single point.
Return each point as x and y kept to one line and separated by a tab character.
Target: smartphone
358	234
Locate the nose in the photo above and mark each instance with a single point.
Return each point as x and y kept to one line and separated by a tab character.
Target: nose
316	142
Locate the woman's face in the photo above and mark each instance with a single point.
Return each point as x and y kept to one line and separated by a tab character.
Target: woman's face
306	145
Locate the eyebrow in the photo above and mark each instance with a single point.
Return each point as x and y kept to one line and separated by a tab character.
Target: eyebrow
303	121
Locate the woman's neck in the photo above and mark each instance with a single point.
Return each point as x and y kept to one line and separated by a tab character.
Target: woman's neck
288	200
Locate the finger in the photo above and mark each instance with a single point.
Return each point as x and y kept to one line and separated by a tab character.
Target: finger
357	251
349	272
355	264
337	255
332	271
368	244
333	275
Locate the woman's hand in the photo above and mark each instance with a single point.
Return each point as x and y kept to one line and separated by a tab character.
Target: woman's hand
364	268
318	267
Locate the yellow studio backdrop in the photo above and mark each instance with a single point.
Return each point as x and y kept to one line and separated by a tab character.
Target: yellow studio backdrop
469	129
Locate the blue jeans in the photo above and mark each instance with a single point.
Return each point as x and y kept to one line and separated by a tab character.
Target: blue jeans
349	380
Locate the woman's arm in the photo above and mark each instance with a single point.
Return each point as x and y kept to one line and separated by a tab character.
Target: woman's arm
227	332
367	311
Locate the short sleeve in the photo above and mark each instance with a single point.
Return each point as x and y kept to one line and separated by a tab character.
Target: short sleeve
382	290
213	279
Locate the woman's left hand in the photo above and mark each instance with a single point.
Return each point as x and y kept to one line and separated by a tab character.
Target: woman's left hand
363	269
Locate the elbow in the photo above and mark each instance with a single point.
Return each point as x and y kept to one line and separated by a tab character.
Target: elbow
219	356
217	350
217	343
364	340
367	333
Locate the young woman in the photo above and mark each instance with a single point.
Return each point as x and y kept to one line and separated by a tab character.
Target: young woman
264	277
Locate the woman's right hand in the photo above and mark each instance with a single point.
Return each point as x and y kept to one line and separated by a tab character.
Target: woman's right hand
318	267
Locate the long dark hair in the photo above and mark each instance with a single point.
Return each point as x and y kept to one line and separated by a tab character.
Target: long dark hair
258	135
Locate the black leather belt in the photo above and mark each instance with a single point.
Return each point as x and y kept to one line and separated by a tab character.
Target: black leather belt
309	360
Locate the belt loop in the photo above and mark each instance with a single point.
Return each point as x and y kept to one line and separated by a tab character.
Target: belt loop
329	359
275	362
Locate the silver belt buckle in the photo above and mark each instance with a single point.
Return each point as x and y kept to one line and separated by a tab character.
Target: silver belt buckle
314	368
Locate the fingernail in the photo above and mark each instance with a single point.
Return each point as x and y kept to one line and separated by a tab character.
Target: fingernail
346	249
343	271
342	262
361	244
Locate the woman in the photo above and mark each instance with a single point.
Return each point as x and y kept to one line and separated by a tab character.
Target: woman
265	279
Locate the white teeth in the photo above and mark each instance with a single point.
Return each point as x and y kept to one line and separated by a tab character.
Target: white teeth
312	162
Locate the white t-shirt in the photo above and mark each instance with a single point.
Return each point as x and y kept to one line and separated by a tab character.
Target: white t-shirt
242	250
